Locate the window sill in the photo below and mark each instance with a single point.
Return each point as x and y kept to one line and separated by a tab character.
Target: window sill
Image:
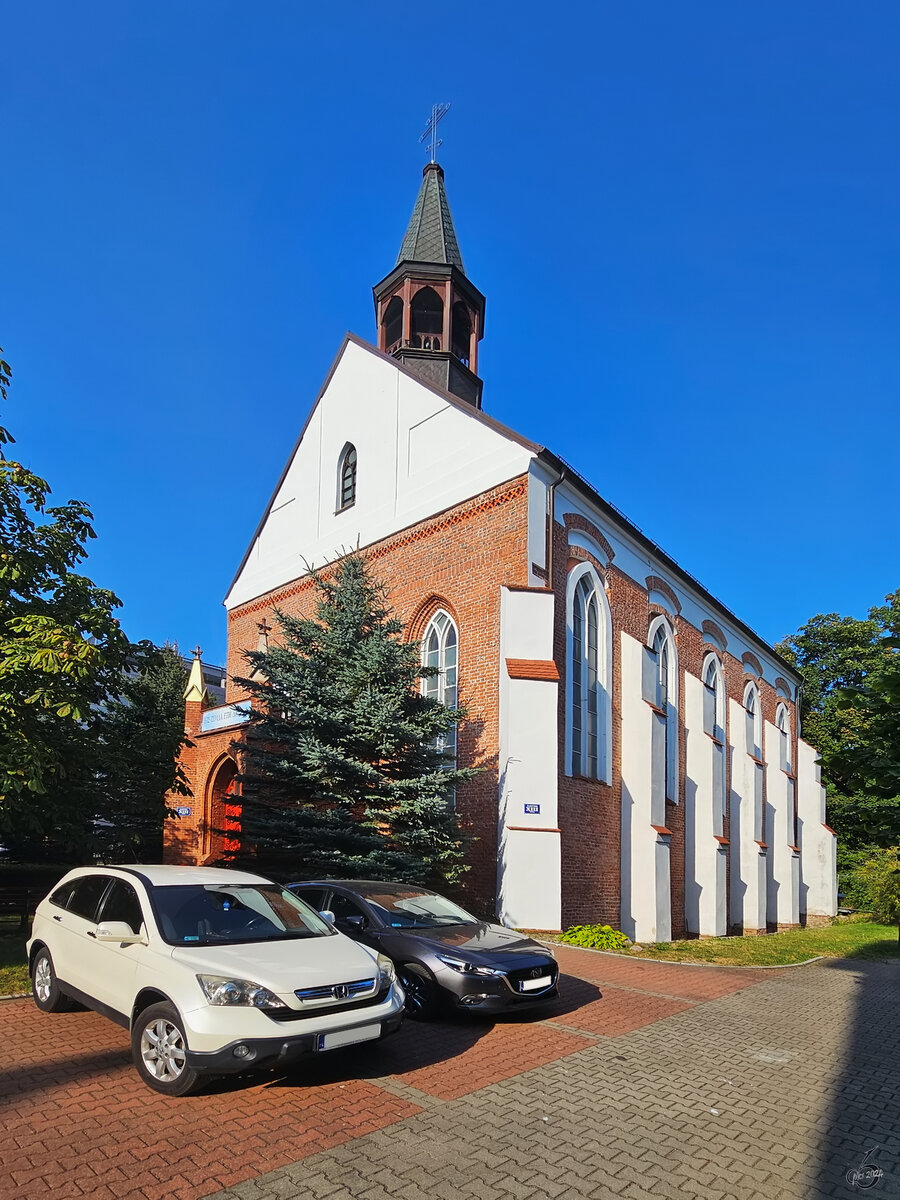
663	830
655	707
344	508
762	845
790	774
714	738
755	758
723	841
795	849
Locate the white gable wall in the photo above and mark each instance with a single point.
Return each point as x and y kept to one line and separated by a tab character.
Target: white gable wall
417	455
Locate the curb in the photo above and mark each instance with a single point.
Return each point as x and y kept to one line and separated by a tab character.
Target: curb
673	962
16	996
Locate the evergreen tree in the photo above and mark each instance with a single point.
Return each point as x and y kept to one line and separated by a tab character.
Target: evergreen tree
138	735
342	771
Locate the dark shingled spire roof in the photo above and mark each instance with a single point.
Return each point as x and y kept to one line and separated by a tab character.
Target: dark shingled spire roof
430	237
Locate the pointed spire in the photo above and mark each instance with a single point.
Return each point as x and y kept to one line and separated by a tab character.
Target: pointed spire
430	237
196	688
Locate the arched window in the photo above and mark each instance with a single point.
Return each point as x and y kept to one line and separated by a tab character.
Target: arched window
753	709
663	686
347	478
754	721
440	651
427	319
589	727
713	698
783	725
714	725
393	324
460	331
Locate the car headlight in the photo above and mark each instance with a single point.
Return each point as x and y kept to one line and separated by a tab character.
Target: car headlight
468	968
386	972
223	991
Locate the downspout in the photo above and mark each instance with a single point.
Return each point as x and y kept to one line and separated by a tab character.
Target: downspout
551	508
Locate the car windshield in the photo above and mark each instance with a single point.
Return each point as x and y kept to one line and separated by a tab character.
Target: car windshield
404	908
198	915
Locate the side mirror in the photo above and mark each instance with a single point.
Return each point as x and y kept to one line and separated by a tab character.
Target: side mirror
118	931
356	924
327	916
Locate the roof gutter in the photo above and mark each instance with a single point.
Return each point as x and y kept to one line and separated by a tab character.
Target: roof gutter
548	458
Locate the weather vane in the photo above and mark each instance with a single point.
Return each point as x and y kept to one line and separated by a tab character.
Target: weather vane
438	112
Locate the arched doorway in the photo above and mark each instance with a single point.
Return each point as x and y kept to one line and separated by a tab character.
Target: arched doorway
222	818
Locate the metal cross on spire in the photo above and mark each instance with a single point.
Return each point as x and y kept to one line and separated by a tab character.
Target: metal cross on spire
438	112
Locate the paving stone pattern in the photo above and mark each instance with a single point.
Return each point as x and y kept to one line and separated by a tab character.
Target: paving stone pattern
644	1079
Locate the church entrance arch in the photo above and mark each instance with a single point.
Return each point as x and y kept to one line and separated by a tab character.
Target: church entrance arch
222	816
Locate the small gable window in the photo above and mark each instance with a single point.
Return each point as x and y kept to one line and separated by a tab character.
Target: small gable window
347	478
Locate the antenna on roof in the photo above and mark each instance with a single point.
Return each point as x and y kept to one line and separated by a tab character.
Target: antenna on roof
438	112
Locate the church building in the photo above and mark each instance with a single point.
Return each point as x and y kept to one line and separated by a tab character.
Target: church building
642	759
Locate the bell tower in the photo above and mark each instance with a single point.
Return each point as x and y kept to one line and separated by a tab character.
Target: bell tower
429	316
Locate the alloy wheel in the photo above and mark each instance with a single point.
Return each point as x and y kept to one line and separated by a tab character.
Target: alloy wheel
43	978
162	1050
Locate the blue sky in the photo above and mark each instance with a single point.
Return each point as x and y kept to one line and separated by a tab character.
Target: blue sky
684	218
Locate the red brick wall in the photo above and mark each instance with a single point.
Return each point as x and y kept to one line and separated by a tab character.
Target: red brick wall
458	560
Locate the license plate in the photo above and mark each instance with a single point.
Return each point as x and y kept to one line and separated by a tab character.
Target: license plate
533	985
347	1037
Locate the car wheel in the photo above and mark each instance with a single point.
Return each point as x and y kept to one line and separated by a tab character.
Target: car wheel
159	1052
47	994
423	996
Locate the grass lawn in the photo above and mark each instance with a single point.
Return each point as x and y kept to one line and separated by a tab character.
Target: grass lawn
853	938
13	971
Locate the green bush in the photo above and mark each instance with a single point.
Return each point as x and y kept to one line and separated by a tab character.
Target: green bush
881	877
596	937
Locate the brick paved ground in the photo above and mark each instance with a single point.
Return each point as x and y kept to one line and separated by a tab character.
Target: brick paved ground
679	1081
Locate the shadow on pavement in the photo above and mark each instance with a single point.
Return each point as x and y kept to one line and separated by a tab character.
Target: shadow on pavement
860	1151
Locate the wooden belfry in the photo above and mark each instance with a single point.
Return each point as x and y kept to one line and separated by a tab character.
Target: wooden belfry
429	316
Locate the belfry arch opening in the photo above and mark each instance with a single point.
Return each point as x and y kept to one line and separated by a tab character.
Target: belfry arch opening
393	324
426	319
461	332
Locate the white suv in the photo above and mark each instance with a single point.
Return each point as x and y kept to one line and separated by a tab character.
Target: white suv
213	971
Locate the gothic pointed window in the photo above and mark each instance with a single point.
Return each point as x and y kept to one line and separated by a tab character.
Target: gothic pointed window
589	685
661	690
347	478
714	725
754	750
440	652
783	725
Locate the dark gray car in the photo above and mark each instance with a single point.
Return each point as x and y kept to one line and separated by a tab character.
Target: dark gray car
445	957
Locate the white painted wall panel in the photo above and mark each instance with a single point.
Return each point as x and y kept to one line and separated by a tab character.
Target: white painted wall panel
646	906
748	859
783	880
818	845
529	864
417	455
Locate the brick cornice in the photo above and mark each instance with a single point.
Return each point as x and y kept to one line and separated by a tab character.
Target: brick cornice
577	521
503	494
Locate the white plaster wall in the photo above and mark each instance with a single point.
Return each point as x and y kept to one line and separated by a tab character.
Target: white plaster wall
783	874
539	479
704	857
748	858
417	455
818	845
646	904
528	866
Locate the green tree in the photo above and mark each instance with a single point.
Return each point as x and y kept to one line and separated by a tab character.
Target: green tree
341	768
137	736
60	645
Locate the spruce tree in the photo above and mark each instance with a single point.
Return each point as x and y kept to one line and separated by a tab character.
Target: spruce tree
342	771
